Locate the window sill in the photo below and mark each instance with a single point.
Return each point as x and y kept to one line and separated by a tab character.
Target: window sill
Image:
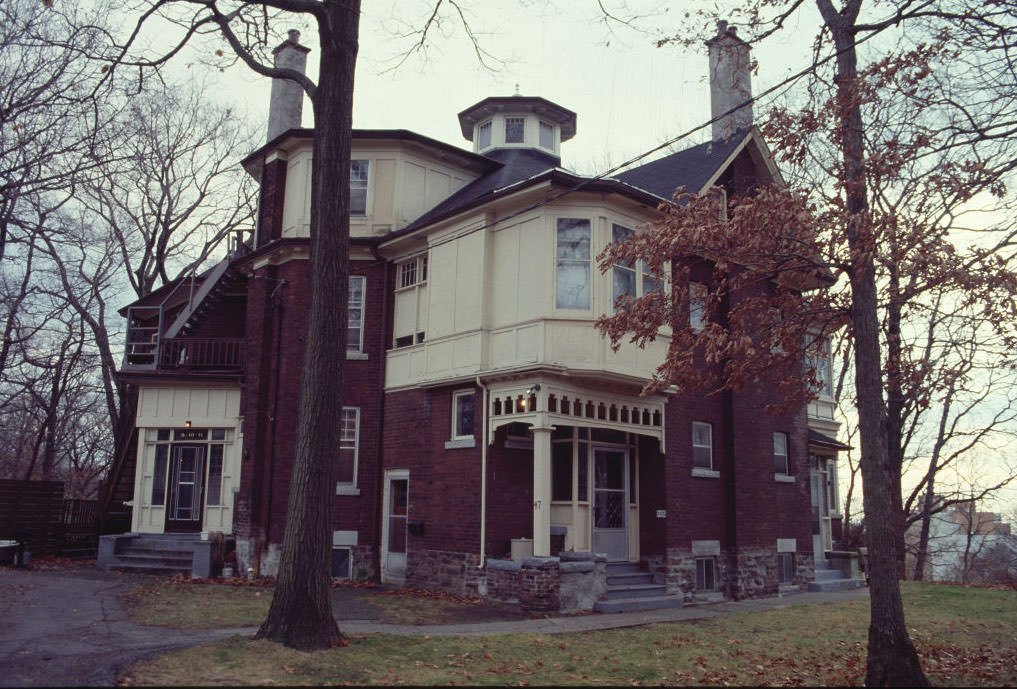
783	478
702	472
346	489
459	443
356	356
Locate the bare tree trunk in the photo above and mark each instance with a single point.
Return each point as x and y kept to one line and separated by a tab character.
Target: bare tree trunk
891	660
301	613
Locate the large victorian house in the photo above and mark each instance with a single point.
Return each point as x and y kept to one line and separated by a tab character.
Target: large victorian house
492	441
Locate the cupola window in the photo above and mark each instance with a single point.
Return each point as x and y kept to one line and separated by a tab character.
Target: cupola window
546	136
514	130
484	135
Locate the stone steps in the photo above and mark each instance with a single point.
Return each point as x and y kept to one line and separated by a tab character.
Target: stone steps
828	578
629	589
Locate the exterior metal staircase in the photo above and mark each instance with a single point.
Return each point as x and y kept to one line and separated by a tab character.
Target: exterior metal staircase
830	578
629	589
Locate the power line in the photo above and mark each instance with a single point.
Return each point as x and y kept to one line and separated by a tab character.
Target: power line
670	142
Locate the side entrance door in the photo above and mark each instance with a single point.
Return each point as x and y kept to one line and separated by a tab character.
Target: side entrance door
610	503
186	488
393	537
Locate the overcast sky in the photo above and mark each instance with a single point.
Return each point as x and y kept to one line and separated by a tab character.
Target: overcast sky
629	95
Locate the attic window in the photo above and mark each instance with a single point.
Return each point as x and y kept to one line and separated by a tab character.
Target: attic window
514	130
546	136
484	135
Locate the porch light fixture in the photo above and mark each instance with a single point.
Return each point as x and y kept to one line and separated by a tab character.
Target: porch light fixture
532	390
187	424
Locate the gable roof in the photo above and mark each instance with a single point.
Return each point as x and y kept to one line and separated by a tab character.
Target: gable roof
691	168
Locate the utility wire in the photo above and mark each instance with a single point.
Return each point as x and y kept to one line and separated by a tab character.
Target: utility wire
670	142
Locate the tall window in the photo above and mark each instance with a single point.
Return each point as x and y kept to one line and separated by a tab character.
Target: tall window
462	414
573	272
546	136
484	135
349	447
821	359
514	130
697	306
355	315
358	186
631	278
702	445
780	458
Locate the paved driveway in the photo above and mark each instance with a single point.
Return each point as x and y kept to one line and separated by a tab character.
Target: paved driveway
69	629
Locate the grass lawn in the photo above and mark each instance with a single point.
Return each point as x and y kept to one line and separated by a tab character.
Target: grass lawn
966	636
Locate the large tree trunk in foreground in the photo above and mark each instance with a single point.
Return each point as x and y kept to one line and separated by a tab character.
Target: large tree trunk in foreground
892	660
301	613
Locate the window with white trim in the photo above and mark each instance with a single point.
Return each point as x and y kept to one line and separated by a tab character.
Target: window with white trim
698	297
484	136
546	136
358	186
349	448
632	278
706	574
702	445
462	414
355	314
514	130
781	465
821	361
572	290
410	302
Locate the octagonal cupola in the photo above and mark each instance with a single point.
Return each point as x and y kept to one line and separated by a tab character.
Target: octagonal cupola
517	122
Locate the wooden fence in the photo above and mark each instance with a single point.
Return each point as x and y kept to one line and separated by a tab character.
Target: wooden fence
54	526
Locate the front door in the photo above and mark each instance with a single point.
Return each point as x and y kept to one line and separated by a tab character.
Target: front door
186	487
822	540
610	503
397	494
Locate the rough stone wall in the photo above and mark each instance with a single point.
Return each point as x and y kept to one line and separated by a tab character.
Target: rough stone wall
679	572
456	573
363	567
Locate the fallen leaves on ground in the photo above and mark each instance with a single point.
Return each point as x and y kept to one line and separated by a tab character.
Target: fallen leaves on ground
435	595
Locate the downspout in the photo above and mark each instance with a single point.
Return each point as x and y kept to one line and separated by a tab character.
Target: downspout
483	477
379	471
275	411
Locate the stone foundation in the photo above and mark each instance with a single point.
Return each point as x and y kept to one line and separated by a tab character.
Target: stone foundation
746	573
456	573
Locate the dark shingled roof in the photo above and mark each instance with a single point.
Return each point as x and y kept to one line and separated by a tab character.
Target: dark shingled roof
690	168
517	164
817	438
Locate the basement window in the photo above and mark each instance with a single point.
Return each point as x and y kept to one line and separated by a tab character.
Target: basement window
706	574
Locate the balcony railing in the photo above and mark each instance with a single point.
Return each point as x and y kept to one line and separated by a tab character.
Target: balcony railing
201	354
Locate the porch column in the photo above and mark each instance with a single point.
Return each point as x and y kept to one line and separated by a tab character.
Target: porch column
541	490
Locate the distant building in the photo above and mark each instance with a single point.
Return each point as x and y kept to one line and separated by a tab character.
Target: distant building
964	544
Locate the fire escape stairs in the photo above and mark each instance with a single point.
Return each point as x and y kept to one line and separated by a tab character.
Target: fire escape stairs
215	284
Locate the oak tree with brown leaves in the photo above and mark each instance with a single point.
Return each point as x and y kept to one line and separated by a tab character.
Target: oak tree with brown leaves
773	249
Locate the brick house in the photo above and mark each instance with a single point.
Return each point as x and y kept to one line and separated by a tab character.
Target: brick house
493	442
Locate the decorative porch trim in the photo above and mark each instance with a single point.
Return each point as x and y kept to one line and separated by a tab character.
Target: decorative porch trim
541	402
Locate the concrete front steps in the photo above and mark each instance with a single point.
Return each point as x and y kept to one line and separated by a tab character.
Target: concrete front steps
830	578
629	589
165	554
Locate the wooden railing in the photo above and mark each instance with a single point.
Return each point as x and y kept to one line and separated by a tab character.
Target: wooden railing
193	353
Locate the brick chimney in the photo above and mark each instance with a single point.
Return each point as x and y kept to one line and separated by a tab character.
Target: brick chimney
287	101
730	82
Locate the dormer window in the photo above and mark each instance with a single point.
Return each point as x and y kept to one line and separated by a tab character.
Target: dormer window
514	130
546	136
484	136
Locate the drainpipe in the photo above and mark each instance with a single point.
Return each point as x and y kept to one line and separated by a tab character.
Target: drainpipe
275	410
483	477
379	468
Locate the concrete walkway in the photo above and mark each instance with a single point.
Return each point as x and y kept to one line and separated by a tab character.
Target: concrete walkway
70	629
592	622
